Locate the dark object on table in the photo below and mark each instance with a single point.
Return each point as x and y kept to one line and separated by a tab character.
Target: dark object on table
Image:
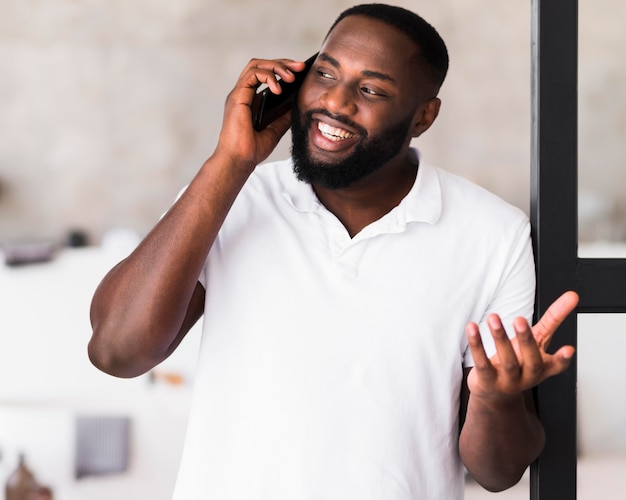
28	252
77	238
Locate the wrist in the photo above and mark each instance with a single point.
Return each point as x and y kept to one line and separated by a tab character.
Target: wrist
497	402
233	167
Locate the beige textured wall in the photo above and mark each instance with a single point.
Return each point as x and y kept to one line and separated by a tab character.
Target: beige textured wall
108	107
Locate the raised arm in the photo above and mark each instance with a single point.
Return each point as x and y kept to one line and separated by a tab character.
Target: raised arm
146	304
501	435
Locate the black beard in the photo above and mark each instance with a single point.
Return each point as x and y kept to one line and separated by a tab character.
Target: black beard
369	154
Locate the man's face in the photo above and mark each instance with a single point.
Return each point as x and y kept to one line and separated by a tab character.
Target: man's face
355	112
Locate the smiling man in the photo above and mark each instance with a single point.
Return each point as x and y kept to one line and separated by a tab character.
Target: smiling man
355	299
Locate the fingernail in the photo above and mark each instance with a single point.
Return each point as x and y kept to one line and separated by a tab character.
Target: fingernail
494	322
519	325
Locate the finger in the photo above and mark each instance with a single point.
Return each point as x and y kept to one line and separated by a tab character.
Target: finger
554	316
530	352
276	129
509	361
481	360
276	65
559	361
270	72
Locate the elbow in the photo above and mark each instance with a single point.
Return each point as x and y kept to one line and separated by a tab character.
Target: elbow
499	461
117	348
115	360
503	475
107	362
501	484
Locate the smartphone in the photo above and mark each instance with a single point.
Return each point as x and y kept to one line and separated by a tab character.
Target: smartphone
267	106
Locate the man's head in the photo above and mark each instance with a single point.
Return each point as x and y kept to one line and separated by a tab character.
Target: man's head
371	90
432	57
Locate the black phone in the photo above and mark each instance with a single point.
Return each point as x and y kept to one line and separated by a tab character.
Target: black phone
267	106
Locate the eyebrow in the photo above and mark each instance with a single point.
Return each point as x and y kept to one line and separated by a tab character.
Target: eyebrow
367	72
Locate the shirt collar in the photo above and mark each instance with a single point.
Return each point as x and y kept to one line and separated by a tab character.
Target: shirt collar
423	203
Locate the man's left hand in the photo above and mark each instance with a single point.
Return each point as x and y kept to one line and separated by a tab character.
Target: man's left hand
522	362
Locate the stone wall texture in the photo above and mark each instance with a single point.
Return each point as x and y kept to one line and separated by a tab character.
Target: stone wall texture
108	107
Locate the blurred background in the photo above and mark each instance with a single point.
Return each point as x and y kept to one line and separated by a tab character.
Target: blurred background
108	108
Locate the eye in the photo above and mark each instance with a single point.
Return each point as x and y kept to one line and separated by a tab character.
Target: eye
372	92
323	74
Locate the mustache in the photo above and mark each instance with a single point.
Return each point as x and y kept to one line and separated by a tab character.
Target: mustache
338	118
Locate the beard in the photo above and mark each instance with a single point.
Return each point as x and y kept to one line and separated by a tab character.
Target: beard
369	154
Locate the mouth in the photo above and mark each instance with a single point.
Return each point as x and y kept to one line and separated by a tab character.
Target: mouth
334	134
331	136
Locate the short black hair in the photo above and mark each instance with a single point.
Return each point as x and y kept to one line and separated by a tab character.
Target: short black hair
433	51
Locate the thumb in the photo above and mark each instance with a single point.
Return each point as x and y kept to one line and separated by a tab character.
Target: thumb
554	316
277	129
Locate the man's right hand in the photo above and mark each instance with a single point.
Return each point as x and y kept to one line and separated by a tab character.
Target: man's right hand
239	143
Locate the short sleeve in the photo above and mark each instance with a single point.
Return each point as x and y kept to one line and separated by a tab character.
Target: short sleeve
515	294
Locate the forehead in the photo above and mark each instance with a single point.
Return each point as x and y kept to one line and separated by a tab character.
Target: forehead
370	39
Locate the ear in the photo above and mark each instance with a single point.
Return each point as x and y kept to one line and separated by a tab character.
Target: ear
425	115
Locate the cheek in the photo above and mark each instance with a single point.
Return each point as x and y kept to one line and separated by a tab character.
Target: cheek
377	123
308	97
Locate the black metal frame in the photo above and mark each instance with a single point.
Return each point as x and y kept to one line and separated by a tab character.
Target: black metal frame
601	283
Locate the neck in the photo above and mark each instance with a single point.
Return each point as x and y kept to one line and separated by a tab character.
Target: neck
359	205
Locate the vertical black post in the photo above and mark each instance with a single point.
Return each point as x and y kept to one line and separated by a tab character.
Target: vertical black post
554	220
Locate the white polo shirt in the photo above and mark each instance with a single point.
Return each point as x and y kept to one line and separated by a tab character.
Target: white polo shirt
330	367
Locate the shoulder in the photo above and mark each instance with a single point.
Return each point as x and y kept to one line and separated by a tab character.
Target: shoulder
271	188
474	204
273	175
267	183
460	190
276	184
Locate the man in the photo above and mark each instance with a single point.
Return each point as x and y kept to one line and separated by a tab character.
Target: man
346	293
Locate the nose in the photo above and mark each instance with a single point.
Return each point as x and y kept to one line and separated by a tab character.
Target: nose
339	100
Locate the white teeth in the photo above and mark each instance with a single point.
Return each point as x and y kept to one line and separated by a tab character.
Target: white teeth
333	133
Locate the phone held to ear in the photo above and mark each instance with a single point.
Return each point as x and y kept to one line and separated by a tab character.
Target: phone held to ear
267	106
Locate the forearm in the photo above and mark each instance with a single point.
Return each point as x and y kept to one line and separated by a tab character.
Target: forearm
145	305
138	311
498	441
